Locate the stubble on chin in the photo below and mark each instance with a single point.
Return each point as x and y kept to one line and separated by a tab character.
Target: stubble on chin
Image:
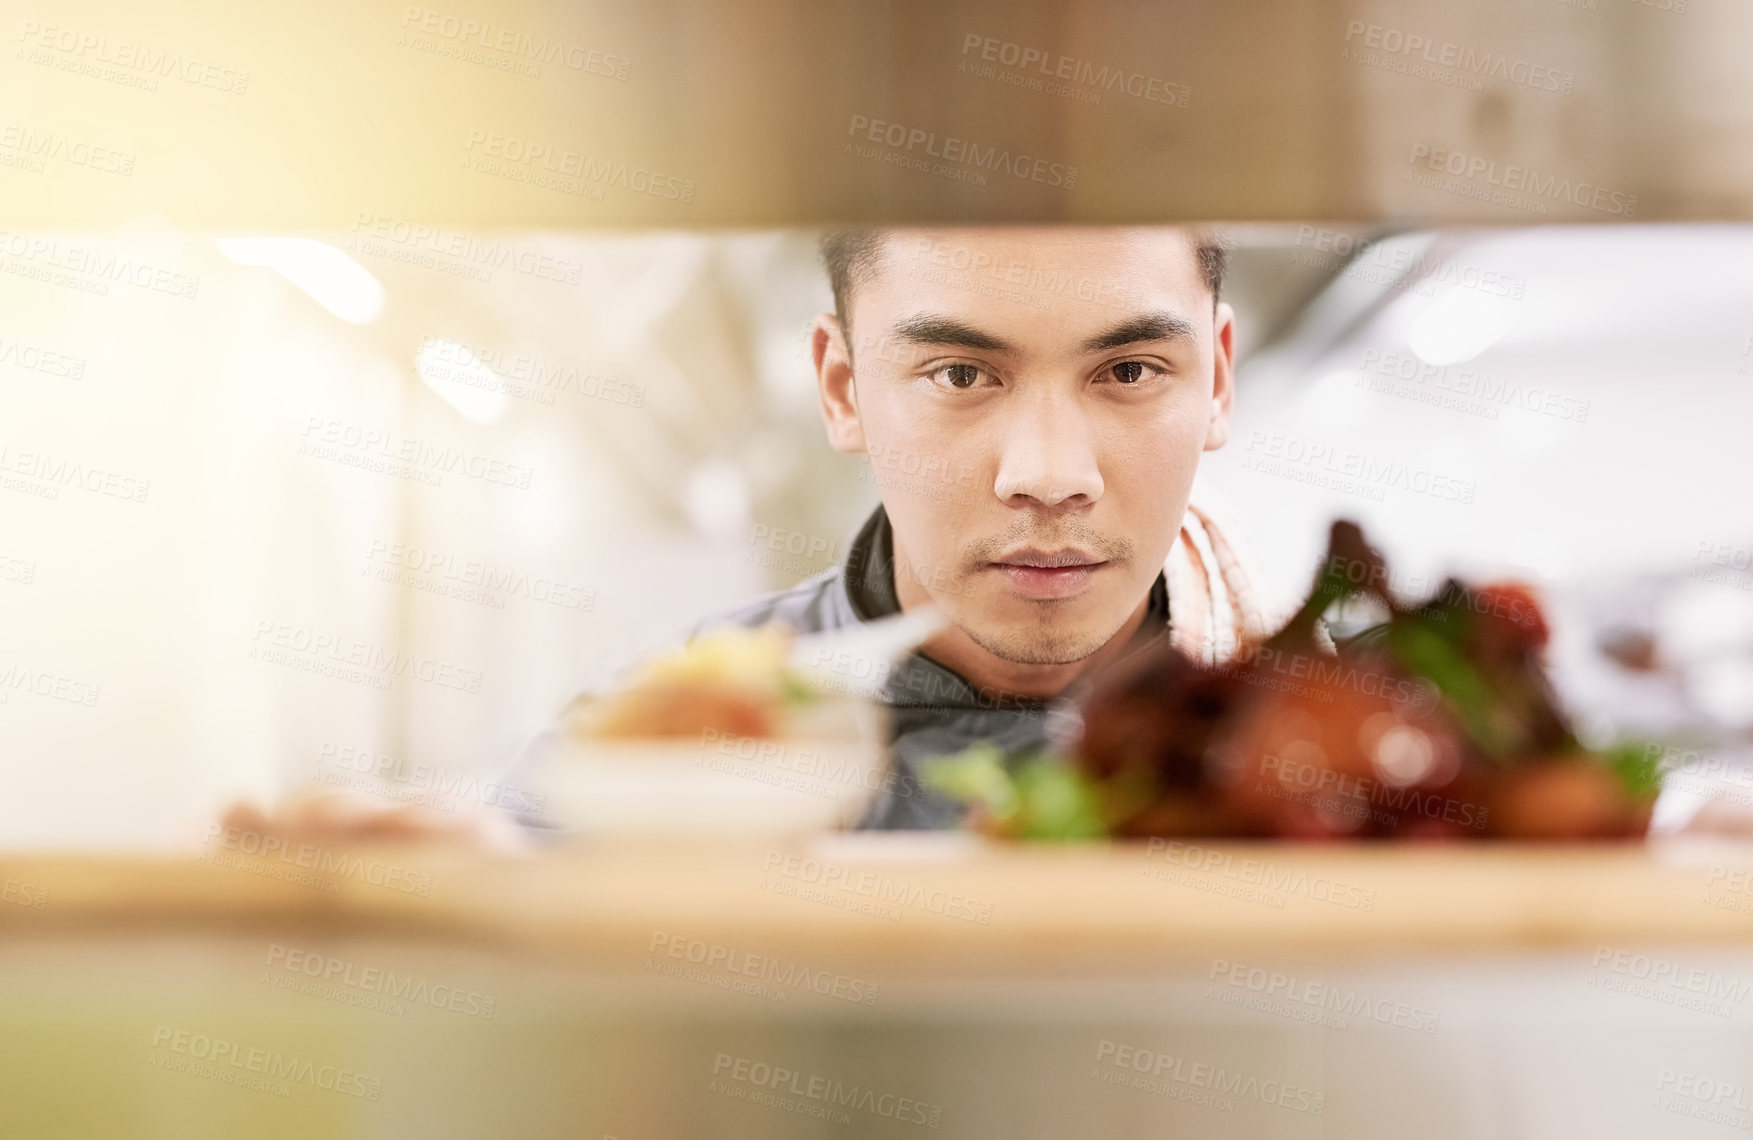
1043	640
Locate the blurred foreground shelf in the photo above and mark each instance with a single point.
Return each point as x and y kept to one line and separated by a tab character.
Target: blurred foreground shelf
881	986
948	901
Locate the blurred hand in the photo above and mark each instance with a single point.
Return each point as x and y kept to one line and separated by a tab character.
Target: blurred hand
1719	818
330	816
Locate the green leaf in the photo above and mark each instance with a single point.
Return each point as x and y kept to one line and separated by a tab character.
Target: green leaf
1638	765
1036	795
1059	802
975	775
796	690
1435	658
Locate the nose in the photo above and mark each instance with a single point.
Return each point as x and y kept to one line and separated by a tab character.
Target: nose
1047	455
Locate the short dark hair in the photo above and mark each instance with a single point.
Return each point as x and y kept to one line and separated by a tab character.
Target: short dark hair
850	254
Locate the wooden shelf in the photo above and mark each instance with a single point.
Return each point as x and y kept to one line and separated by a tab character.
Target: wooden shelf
938	903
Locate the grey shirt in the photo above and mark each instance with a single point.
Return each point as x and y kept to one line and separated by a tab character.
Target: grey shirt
934	710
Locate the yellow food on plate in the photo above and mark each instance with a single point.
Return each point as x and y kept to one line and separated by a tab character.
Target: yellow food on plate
738	682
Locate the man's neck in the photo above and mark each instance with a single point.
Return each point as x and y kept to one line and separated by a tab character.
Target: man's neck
988	672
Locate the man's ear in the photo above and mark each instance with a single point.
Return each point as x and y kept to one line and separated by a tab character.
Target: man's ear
1223	377
839	401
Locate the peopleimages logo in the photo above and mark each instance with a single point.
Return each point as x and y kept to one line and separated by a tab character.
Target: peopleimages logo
95	267
1155	1069
52	473
753	1074
470	579
35	146
1518	180
1667	981
1390	261
284	643
1409	46
1310	995
305	857
46	684
36	359
1725	1096
1021	282
525	377
242	1061
569	164
786	977
452	251
24	894
1342	469
518	45
368	986
1340	793
904	140
1037	69
838	885
1258	873
425	783
1380	370
785	765
90	49
1334	673
376	450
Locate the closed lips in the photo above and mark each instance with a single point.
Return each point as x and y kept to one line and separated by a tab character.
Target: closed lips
1042	560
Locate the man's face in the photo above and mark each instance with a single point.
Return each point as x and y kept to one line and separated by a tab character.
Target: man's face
1034	402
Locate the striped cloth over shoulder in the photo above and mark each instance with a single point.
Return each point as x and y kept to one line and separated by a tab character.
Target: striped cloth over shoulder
1214	612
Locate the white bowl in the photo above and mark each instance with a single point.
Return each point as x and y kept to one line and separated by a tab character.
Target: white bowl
821	777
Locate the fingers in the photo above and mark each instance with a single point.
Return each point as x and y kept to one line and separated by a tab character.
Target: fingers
1718	818
344	816
246	816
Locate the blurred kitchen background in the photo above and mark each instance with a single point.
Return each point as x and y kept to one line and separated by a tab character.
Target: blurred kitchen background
375	377
382	499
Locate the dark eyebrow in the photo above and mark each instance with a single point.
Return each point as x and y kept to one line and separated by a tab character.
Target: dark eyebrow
1137	330
945	330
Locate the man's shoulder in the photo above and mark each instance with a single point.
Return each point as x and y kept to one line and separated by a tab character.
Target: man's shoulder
817	603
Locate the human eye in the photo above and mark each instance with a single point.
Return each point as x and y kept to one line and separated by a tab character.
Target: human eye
1132	373
961	377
